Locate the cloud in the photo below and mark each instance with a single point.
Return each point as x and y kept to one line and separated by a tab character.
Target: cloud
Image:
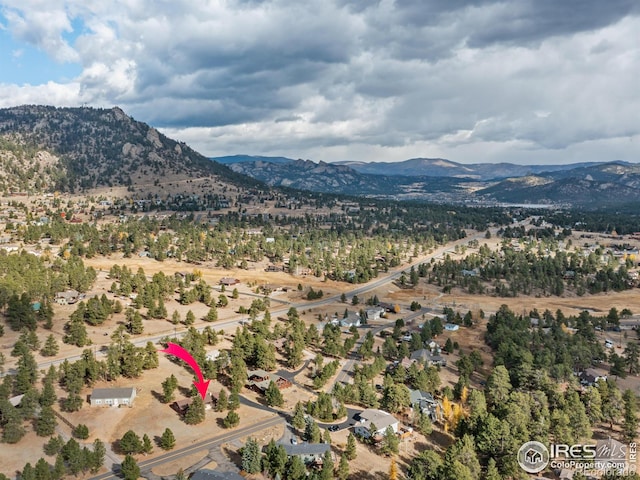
349	77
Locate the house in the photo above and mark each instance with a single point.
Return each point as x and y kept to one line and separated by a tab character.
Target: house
228	281
213	355
428	357
389	307
68	297
259	380
377	418
425	402
352	319
451	327
470	273
375	313
112	397
206	474
590	376
181	406
309	453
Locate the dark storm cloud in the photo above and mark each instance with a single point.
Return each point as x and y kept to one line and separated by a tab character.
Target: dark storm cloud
387	76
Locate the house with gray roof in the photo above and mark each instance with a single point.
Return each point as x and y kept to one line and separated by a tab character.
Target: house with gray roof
112	397
372	417
308	452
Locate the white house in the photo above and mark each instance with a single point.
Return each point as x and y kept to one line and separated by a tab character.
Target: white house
378	418
375	313
112	397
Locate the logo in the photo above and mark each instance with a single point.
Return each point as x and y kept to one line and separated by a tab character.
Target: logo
533	457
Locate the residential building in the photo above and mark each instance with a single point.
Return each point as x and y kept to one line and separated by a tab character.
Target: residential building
68	297
377	418
112	397
309	453
181	406
451	327
375	313
425	402
228	281
259	380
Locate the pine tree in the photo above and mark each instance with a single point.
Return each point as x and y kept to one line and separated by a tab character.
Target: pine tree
81	431
129	468
343	468
27	472
234	401
59	468
221	404
350	452
175	317
311	431
251	457
147	446
168	387
231	420
50	348
326	473
97	459
195	412
130	443
42	470
273	395
298	421
390	441
168	440
48	396
190	319
46	422
212	315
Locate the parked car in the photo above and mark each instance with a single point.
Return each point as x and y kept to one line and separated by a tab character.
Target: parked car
334	428
294	441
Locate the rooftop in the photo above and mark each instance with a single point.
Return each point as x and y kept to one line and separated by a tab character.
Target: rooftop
104	393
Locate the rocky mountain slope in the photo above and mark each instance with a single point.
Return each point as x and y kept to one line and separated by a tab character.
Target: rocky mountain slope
46	148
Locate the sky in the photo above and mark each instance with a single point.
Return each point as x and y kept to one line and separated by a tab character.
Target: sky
522	81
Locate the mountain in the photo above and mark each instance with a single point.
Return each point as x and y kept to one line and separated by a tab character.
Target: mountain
598	185
440	167
250	158
46	148
588	185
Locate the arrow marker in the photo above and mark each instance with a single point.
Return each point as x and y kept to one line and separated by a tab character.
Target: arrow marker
181	353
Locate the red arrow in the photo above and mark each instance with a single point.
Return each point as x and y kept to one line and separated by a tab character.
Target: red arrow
178	351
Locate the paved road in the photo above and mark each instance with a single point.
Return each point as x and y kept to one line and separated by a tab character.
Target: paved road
208	444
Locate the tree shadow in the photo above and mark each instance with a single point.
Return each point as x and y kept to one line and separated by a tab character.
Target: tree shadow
232	455
158	396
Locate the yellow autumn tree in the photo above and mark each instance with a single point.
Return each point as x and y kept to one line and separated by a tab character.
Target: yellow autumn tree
393	470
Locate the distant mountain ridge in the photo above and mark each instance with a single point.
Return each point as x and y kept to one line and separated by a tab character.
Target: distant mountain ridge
429	167
586	184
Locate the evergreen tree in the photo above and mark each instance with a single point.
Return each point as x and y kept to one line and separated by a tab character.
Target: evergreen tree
390	442
343	468
129	468
130	443
48	396
492	471
59	468
46	422
231	420
212	315
273	395
28	473
195	412
13	431
234	401
350	451
54	445
97	459
168	387
147	446
42	470
295	469
50	348
326	473
251	457
312	431
190	319
81	431
167	440
221	404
